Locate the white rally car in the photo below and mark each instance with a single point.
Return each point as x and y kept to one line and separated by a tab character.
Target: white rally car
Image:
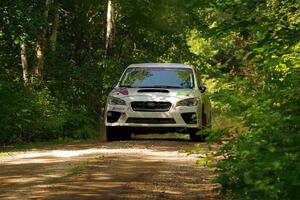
158	97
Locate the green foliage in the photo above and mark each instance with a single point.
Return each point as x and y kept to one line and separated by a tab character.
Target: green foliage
28	114
77	77
249	51
257	46
262	163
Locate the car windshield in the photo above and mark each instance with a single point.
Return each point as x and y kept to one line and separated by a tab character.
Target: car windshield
155	77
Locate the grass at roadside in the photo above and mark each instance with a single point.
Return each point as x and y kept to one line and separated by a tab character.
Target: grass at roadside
83	165
6	154
78	168
196	149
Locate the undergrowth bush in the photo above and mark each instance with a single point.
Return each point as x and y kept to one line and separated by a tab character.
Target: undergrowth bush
29	114
262	161
255	46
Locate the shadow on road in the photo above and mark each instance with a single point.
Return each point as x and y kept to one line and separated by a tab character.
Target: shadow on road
142	168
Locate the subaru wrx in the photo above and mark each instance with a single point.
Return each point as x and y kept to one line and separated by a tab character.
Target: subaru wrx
158	97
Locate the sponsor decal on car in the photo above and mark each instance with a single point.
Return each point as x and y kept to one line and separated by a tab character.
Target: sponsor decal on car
123	91
184	93
118	108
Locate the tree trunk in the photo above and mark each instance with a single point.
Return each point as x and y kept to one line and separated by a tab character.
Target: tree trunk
110	21
24	63
102	127
55	24
39	60
40	46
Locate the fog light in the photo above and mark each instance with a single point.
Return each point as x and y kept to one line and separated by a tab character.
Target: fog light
189	118
113	117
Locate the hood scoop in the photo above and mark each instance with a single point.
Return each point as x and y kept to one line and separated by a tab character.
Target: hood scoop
153	91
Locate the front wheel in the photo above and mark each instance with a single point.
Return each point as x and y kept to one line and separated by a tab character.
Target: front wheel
196	136
117	133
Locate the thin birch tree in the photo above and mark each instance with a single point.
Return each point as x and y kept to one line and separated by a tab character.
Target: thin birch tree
24	62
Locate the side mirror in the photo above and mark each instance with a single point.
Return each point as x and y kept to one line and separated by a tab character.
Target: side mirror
202	88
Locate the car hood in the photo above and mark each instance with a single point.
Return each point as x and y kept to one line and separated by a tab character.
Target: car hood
152	94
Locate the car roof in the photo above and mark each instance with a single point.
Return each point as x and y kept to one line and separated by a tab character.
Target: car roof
167	65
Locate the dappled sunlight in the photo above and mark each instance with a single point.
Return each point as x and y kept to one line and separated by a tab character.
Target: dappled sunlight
47	156
37	160
117	170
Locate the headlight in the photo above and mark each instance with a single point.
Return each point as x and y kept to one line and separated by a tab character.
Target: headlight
115	101
188	102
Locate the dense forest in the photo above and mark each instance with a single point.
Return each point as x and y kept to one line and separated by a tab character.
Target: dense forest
60	58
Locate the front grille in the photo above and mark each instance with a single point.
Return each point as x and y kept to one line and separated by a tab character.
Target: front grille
150	106
151	120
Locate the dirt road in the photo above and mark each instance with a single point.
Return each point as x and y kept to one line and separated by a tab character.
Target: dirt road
137	169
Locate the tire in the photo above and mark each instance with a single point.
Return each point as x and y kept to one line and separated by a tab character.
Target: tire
197	137
124	134
117	133
111	133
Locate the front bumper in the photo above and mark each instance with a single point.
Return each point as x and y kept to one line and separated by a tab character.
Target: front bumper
175	117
